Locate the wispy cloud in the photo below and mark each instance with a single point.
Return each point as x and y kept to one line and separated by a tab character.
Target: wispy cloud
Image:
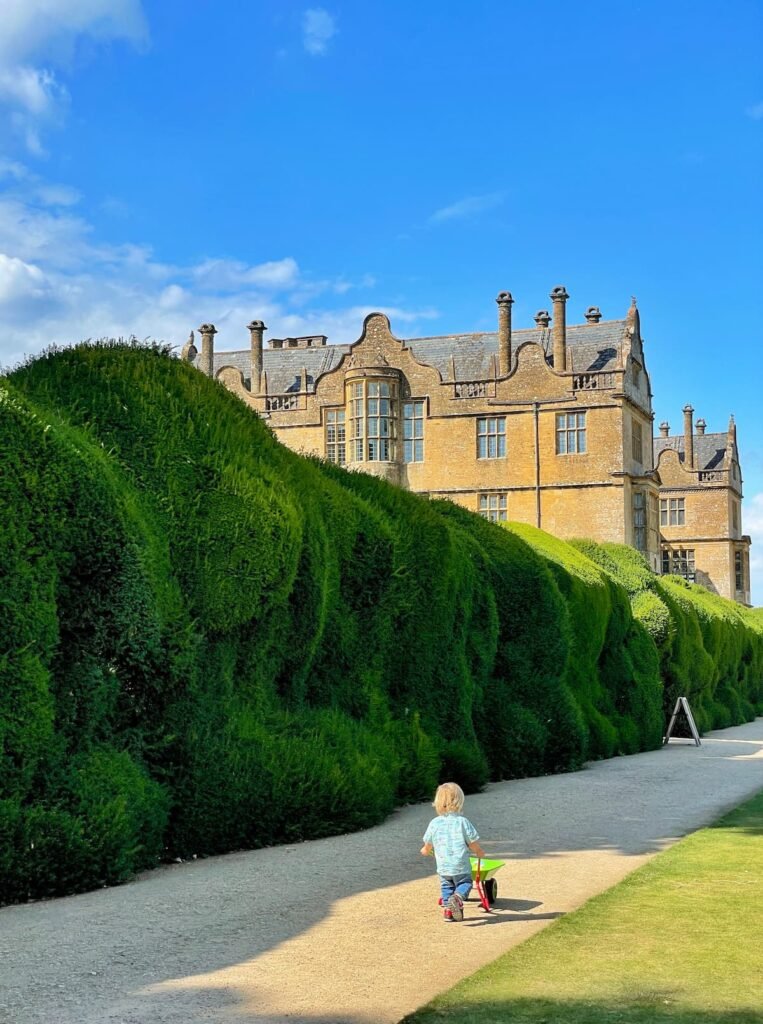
38	38
318	27
468	207
60	283
755	111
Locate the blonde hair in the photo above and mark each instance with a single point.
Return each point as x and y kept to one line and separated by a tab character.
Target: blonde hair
449	797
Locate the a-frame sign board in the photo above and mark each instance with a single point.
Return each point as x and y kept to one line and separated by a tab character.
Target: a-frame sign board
682	707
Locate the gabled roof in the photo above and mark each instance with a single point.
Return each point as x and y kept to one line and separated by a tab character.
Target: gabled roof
709	449
591	347
284	366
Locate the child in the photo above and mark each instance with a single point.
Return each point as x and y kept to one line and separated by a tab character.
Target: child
451	836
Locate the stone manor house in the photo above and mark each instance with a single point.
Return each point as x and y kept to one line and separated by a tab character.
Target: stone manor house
549	425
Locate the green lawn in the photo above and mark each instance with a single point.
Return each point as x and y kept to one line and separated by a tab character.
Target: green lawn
680	941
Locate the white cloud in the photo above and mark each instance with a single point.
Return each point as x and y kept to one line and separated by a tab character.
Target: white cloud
468	207
752	523
19	281
35	90
58	195
37	36
229	275
318	27
60	284
12	169
49	29
755	111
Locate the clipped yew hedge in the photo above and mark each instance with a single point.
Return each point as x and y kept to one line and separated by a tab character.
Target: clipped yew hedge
710	649
211	643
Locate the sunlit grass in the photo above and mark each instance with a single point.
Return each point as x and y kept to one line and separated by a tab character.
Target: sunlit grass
679	940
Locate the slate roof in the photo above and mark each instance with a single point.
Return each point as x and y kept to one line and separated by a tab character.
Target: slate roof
284	365
709	449
591	347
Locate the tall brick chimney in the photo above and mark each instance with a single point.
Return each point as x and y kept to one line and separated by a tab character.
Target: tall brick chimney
256	329
664	429
701	427
688	438
542	319
505	302
559	297
206	361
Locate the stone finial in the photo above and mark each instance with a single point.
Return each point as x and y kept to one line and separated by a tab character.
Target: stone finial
542	318
701	425
633	320
593	315
504	301
189	350
559	297
732	430
664	429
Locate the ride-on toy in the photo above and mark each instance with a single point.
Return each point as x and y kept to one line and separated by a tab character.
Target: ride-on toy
486	885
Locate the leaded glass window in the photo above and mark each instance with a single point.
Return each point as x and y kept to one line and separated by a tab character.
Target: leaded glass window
491	437
413	431
570	433
493	507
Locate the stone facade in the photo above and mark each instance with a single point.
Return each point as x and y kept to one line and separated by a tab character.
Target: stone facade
550	425
701	507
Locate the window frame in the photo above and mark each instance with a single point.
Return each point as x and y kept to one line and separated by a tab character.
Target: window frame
497	434
577	430
676	558
413	445
372	431
670	506
637	441
639	508
335	421
493	506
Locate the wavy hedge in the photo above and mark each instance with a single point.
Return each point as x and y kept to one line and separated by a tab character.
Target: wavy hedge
212	643
710	649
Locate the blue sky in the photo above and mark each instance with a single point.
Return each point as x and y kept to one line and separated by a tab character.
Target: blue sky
165	163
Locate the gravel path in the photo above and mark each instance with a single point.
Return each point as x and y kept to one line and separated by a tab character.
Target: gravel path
346	930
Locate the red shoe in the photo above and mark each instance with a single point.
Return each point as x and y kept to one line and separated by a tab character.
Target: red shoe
447	915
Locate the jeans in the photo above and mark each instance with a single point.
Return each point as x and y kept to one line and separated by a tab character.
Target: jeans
462	884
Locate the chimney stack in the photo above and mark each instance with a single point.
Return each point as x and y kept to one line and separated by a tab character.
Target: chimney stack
593	315
505	302
664	429
206	362
256	330
688	438
732	431
542	319
559	297
701	427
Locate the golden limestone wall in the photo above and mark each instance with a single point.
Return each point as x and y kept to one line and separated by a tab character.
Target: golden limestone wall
609	492
570	495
